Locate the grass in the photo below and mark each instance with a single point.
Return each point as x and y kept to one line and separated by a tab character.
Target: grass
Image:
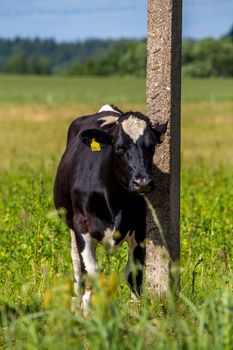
35	266
126	91
72	90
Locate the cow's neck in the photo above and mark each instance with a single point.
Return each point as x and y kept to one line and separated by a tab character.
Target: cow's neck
116	195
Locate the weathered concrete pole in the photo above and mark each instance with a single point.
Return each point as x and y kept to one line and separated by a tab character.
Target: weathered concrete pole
163	103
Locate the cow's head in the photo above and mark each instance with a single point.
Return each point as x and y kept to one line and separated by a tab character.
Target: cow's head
133	140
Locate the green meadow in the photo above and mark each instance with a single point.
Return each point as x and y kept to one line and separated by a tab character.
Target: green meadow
35	265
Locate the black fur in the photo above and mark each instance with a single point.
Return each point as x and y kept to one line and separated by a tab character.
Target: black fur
97	189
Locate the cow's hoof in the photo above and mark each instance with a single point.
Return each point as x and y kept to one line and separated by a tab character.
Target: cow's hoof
134	297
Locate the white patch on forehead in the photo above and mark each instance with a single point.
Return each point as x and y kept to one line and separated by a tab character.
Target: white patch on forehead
134	127
107	108
108	120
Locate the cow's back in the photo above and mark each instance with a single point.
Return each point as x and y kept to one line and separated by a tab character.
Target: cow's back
80	168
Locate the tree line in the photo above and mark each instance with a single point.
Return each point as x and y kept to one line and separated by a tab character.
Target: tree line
207	57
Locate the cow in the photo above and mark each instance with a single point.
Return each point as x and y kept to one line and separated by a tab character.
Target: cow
100	182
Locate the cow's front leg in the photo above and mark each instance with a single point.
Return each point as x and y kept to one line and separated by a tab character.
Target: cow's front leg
76	264
87	253
75	301
135	264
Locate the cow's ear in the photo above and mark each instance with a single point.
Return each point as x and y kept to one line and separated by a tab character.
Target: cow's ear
160	131
95	139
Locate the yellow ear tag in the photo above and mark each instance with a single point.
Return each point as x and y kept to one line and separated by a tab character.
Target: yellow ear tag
95	146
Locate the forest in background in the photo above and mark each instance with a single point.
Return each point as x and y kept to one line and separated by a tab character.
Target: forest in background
203	58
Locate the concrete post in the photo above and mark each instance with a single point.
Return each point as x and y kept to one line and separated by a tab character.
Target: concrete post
163	103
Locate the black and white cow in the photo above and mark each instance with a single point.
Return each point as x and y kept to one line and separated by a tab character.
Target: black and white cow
104	171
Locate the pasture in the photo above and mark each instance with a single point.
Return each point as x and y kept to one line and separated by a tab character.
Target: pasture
35	265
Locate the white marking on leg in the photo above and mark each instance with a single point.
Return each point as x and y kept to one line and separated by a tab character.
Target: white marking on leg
76	263
90	263
134	127
88	254
133	296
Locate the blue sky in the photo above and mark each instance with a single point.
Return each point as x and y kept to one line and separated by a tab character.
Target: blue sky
69	20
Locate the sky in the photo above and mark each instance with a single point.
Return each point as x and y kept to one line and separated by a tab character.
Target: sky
71	20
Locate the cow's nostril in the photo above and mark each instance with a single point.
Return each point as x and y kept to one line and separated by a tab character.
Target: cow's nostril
142	182
137	181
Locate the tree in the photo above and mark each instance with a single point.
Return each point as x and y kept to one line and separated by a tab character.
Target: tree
17	63
44	66
208	57
229	35
187	51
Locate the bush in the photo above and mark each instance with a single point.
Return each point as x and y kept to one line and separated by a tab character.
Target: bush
198	70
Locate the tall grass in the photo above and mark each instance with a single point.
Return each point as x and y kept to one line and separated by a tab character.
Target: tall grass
35	265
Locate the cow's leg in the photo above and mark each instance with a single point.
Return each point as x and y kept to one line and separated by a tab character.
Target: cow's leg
76	264
87	253
77	271
135	264
90	268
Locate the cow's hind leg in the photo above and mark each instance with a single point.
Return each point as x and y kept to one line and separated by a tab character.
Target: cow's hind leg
134	267
90	268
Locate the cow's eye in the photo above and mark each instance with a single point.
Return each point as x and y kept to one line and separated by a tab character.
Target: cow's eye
119	149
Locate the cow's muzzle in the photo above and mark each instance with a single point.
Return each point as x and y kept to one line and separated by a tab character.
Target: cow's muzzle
142	185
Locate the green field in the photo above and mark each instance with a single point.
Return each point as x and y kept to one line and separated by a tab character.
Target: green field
35	266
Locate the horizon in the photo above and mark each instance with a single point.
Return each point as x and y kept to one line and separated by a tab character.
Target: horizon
76	41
